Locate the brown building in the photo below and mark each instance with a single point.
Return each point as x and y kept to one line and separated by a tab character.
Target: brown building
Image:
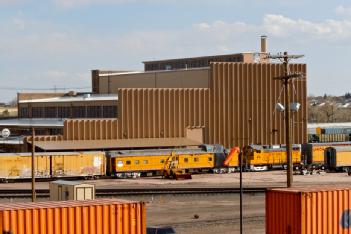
236	108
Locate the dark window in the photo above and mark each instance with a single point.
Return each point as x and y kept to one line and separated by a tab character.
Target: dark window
50	112
78	112
196	159
94	112
186	160
23	112
162	161
63	112
210	159
109	112
128	162
38	112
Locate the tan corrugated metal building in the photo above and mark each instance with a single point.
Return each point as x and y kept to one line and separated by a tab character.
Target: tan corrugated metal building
237	108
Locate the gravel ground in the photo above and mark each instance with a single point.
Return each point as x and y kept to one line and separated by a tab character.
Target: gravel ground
250	179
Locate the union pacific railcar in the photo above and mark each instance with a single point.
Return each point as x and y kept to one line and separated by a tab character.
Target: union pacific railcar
338	158
52	165
260	157
134	163
312	154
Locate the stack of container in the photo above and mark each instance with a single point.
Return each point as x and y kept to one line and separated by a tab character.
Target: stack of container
308	210
60	217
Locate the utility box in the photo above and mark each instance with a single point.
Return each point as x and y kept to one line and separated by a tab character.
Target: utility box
62	190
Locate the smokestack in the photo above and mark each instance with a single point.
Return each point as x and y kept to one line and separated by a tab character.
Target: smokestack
263	44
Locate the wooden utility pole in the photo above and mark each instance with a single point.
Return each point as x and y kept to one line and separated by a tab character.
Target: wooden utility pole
286	79
33	166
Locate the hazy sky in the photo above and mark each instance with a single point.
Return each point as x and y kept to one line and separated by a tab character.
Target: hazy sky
55	43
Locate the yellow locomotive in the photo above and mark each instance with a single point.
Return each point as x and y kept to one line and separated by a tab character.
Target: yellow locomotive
261	157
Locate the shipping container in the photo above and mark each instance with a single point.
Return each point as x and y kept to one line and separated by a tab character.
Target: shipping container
111	216
312	210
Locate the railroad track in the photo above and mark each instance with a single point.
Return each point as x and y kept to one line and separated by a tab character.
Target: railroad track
27	193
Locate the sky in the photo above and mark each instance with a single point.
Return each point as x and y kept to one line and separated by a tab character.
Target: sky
53	45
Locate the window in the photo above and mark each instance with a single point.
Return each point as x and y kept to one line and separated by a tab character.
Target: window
145	161
162	161
128	162
136	162
38	112
196	159
186	160
50	112
64	112
23	112
94	112
109	111
210	159
79	112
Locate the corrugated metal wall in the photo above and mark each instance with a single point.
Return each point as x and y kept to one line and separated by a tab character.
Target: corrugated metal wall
242	104
145	113
154	113
237	109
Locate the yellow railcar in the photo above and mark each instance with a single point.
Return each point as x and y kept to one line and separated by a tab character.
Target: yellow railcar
259	158
52	165
338	158
313	153
134	163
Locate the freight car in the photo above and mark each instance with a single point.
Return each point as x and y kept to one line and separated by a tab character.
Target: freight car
338	158
312	154
52	165
136	163
261	157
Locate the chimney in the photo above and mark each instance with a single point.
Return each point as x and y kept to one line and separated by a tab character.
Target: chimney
263	44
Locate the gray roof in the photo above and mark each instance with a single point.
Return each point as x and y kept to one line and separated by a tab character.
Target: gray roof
78	98
38	123
68	182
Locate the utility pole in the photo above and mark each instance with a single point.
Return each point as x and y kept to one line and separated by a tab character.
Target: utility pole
33	166
286	79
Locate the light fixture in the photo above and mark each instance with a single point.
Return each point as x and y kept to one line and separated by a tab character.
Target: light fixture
279	107
295	106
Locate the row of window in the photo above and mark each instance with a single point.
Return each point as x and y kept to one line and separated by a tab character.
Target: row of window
69	112
162	161
192	63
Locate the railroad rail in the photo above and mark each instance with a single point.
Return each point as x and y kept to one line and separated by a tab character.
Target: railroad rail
27	193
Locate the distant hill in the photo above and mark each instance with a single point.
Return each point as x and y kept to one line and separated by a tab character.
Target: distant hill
329	109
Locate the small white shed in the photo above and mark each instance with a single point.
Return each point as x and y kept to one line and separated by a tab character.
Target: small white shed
61	190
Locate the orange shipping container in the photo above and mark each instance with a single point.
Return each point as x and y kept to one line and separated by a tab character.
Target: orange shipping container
308	210
66	217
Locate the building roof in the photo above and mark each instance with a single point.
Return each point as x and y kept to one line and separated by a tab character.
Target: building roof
153	71
115	144
199	57
329	125
28	123
69	182
80	98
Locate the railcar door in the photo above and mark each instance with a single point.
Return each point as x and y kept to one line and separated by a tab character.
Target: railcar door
330	157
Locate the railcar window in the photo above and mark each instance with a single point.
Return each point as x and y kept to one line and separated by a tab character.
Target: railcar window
136	162
128	162
196	159
210	159
186	160
162	161
145	161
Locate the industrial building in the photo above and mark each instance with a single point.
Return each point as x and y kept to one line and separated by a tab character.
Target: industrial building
228	103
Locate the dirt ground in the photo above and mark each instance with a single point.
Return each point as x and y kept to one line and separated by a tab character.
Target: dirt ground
250	179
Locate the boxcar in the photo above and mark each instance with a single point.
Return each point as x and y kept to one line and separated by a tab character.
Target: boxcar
338	158
52	165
